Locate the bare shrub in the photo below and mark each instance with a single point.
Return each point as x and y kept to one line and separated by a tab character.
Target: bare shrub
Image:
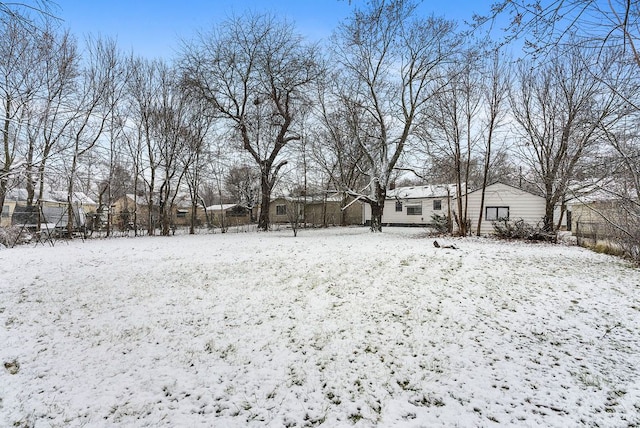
522	230
10	236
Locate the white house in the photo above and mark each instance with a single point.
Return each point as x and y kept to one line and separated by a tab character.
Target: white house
502	201
414	205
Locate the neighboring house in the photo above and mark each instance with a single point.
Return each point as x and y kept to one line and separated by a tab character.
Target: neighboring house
595	213
129	209
331	209
53	211
414	205
504	202
226	214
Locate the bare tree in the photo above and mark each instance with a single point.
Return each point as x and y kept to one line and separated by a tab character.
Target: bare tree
335	145
255	72
19	83
243	184
52	115
389	58
170	130
451	129
494	98
561	110
548	24
196	157
142	91
26	14
98	92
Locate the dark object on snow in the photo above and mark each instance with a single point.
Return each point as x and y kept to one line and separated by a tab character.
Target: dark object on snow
12	366
437	245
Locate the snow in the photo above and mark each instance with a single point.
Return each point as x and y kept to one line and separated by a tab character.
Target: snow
422	192
337	327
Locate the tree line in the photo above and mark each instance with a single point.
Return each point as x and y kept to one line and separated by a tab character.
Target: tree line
250	107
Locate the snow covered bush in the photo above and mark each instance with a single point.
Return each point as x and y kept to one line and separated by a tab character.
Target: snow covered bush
520	229
9	236
440	223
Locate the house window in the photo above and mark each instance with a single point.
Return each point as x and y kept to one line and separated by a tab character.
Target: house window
437	205
181	213
398	206
414	209
497	213
281	210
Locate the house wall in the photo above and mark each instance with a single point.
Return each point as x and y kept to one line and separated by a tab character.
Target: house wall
522	205
216	217
273	211
7	212
587	218
318	213
122	213
331	213
392	217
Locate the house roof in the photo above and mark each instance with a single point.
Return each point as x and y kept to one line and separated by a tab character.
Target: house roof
504	184
313	199
584	193
221	207
51	196
422	192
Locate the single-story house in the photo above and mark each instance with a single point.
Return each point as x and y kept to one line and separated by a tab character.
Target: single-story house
128	208
504	202
227	214
330	209
594	212
414	205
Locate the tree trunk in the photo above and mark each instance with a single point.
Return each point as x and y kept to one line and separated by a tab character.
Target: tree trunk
4	173
376	217
263	219
194	212
548	216
377	208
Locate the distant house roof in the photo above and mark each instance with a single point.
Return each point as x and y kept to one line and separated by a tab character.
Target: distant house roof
585	193
331	196
51	196
421	192
221	207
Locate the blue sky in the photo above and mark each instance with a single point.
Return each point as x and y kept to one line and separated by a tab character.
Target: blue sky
154	28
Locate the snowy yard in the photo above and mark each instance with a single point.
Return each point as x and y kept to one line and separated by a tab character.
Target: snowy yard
336	327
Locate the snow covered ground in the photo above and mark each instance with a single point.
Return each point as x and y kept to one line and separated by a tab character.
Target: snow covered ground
336	327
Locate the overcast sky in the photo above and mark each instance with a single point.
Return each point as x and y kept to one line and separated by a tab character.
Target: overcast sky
154	28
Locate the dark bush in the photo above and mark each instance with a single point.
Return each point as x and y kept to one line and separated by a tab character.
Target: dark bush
519	229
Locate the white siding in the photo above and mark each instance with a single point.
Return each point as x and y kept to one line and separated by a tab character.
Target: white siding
522	205
391	216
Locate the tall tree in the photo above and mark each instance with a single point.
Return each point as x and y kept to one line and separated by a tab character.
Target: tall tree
196	157
388	58
255	72
19	84
99	90
335	145
560	109
53	113
451	129
170	129
142	93
494	99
